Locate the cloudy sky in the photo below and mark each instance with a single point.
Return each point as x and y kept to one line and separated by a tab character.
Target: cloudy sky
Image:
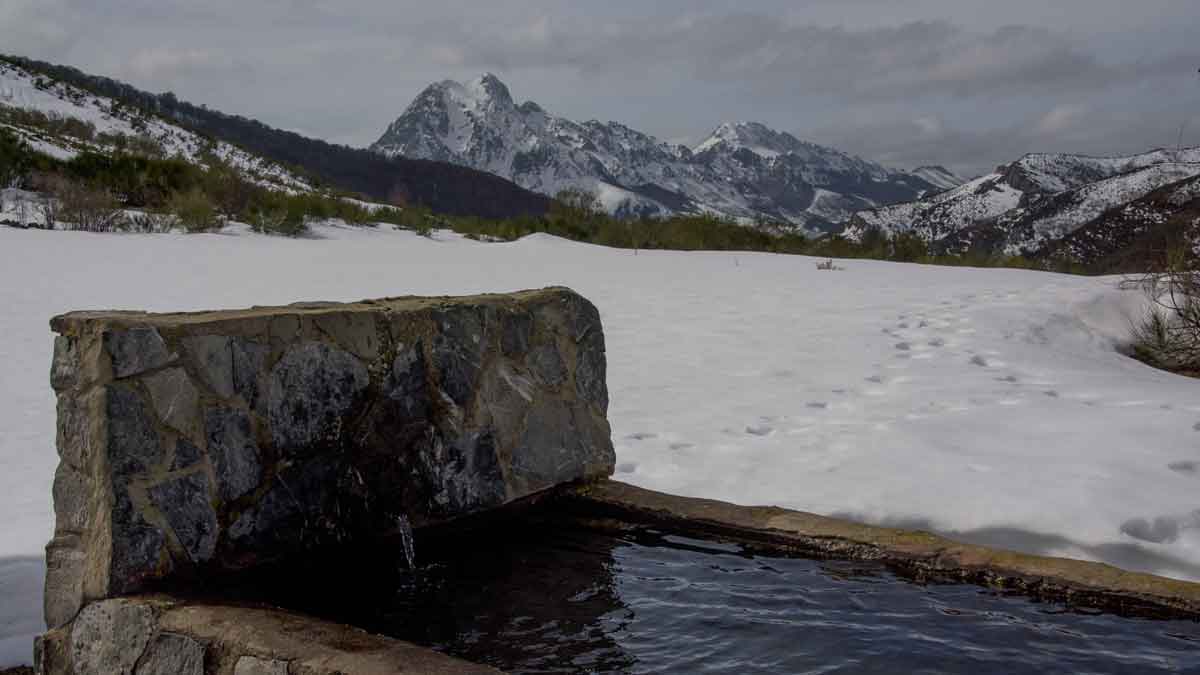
964	83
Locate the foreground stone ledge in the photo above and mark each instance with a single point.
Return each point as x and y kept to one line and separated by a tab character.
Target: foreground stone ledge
914	553
161	635
196	444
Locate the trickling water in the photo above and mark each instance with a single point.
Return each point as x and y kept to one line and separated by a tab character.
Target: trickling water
406	541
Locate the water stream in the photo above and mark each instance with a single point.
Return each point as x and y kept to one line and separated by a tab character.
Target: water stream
406	541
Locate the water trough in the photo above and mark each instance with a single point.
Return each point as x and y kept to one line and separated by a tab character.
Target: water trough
328	488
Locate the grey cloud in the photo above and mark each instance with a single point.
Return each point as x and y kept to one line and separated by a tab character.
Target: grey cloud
765	54
902	81
1068	127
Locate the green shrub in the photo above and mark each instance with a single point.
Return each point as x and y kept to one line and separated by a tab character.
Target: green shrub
278	216
149	222
1168	335
15	159
908	247
195	211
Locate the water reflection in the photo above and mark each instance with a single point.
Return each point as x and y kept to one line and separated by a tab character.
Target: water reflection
517	598
546	595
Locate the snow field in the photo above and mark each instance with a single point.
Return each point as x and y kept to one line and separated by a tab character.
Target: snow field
989	405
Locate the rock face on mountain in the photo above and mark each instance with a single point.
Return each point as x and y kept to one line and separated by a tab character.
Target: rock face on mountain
1028	206
744	169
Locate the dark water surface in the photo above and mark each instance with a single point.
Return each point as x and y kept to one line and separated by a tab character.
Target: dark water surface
556	599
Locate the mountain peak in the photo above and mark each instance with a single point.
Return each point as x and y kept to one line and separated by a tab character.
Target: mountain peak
483	92
488	87
756	136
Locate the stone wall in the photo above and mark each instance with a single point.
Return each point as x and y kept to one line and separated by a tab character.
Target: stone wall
197	444
160	635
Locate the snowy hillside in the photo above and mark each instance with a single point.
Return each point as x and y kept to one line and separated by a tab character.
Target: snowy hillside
938	176
1051	173
1122	237
744	170
1028	229
987	404
21	89
1027	205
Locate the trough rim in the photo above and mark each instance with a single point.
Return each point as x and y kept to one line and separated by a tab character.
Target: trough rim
914	554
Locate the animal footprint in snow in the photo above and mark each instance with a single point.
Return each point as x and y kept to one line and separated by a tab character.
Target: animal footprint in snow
903	346
681	446
878	379
818	405
626	467
1011	379
937	342
1190	468
641	436
1051	393
760	430
1196	426
979	360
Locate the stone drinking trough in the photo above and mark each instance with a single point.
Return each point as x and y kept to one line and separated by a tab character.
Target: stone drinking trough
196	447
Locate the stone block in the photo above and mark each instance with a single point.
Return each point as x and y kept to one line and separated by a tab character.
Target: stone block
195	445
172	654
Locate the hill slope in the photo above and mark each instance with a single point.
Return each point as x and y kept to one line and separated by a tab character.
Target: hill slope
62	120
443	187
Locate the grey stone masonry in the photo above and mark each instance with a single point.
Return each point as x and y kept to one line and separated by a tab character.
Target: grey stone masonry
162	635
202	443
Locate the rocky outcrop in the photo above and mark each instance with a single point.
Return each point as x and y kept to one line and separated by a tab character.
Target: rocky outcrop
193	445
160	635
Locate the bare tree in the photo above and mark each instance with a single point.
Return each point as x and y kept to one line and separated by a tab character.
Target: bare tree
78	206
47	206
23	210
1169	333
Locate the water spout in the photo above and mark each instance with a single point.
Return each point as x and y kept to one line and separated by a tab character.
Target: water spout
406	541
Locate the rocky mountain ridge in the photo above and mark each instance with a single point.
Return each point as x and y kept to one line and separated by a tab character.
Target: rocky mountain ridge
743	169
1030	205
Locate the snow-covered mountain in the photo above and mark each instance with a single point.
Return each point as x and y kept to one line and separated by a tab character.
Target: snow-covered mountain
107	122
1124	237
1028	205
744	170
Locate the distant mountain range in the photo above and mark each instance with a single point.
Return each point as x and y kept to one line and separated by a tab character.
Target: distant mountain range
744	170
469	149
1085	209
